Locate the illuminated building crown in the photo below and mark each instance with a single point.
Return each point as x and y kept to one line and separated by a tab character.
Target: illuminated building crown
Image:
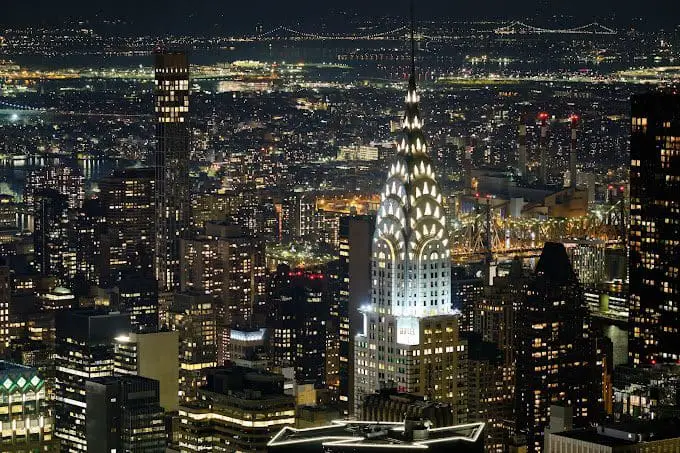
411	258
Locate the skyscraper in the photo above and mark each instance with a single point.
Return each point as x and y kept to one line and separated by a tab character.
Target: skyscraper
5	296
138	296
411	294
124	414
53	253
354	289
171	163
654	229
239	409
193	315
65	180
227	263
152	355
127	198
555	350
299	322
84	350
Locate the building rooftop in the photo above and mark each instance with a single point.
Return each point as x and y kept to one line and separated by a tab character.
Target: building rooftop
629	433
352	434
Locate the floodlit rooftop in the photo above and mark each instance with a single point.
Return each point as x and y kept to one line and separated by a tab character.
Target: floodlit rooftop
353	434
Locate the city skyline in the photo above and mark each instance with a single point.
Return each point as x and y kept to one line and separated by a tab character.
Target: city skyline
328	231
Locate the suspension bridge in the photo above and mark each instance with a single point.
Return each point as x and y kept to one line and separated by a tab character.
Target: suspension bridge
521	28
402	32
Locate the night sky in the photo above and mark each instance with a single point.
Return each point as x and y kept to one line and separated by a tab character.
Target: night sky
166	15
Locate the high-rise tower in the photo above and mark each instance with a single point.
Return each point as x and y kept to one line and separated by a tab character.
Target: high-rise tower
171	163
654	229
555	351
411	294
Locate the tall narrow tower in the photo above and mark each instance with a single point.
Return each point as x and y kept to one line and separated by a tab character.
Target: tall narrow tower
574	121
171	163
543	148
411	282
522	149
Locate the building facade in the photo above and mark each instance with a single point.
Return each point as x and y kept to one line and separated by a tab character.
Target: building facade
411	281
27	424
239	410
84	350
124	414
555	351
654	227
172	202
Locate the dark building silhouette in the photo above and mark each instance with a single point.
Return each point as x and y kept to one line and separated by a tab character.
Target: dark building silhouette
654	266
173	204
84	349
51	233
124	414
300	303
138	296
555	352
354	289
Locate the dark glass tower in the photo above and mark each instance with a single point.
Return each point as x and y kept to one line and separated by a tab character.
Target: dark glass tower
171	163
554	349
124	414
300	314
83	350
654	334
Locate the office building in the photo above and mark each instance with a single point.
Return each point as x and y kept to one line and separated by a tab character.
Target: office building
358	152
227	263
300	311
633	437
409	332
84	350
654	251
489	389
239	409
467	290
354	288
646	393
54	255
171	164
90	242
193	316
151	355
555	351
124	414
351	436
127	198
138	296
27	424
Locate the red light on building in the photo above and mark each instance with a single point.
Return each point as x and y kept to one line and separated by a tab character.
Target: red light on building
543	116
